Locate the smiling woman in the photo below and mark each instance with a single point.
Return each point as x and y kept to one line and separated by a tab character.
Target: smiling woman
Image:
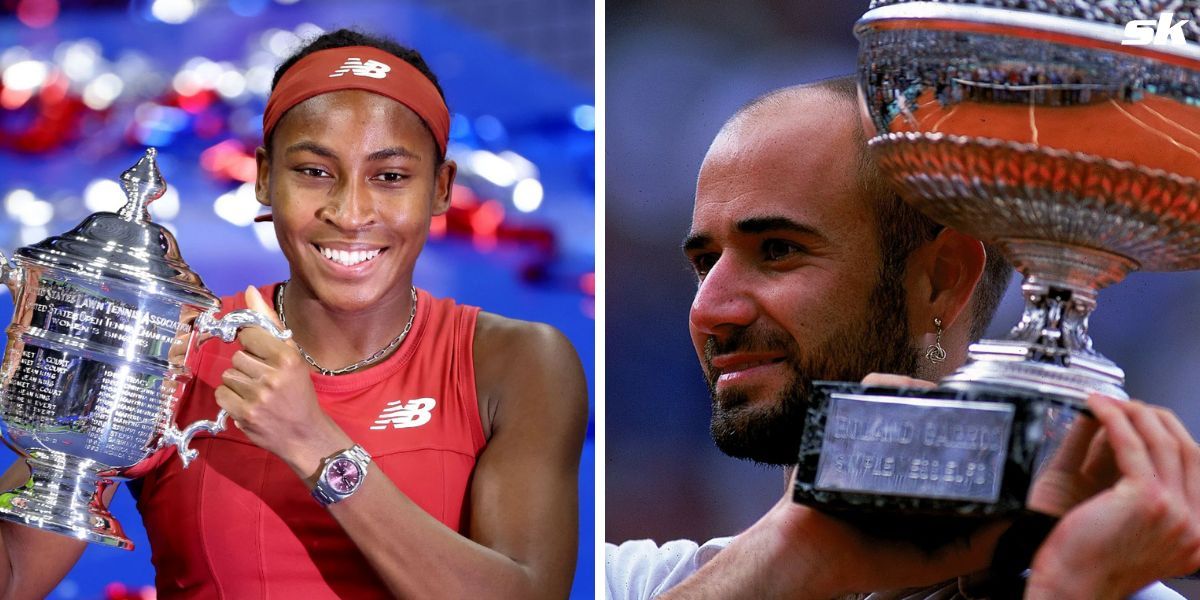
396	435
340	186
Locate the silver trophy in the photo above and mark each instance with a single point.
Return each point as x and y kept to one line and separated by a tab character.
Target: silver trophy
105	317
1028	124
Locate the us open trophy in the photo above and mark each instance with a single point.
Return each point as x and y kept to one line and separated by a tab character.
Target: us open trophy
104	319
1029	125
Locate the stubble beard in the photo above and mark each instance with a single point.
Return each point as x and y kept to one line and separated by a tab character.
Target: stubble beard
769	433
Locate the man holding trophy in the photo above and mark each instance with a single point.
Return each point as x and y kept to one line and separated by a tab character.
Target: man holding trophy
789	247
1029	126
394	444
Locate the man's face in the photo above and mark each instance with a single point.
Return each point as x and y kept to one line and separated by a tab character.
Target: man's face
352	184
790	287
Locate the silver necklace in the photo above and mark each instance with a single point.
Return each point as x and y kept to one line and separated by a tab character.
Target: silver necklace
370	360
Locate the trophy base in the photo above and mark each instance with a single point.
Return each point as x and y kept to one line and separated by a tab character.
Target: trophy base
973	454
64	495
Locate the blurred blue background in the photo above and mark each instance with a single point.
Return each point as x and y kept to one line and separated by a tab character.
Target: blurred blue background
85	85
675	71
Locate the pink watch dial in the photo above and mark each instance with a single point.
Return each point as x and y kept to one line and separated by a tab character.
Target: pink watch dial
344	475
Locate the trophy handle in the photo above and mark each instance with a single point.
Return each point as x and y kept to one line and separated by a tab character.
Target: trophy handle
228	326
12	275
225	328
181	438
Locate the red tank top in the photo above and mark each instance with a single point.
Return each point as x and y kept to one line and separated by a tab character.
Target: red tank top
238	523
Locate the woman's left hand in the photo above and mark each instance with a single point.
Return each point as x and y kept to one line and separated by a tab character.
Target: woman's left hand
269	394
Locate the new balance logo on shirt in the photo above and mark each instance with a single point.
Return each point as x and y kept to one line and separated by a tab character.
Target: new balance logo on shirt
355	66
400	414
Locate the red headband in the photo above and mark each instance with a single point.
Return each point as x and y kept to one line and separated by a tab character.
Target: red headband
360	68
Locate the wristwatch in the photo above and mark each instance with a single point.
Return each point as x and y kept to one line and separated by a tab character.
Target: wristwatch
341	475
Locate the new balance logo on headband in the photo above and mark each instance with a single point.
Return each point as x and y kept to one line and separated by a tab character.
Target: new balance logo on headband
355	66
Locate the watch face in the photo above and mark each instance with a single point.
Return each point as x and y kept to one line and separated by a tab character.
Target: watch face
343	475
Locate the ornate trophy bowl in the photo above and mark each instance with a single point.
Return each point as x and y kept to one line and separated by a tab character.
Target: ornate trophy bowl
104	319
1029	125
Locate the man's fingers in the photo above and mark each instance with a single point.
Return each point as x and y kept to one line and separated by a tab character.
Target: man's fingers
1063	483
1101	465
1074	449
1164	448
892	380
1189	455
1133	459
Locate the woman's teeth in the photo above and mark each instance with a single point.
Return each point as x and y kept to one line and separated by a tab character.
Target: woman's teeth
349	258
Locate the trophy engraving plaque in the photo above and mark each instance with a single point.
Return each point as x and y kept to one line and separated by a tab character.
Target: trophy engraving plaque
104	319
918	448
1028	125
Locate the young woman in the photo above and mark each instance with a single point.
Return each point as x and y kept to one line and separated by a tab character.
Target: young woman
398	444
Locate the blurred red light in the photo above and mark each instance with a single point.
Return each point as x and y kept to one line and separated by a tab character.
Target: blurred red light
11	99
462	196
487	218
37	13
437	226
244	169
196	102
229	160
54	89
116	590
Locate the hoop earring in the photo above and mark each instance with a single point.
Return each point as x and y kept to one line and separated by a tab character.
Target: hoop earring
936	353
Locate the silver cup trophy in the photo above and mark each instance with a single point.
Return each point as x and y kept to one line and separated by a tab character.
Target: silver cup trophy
1030	125
105	317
